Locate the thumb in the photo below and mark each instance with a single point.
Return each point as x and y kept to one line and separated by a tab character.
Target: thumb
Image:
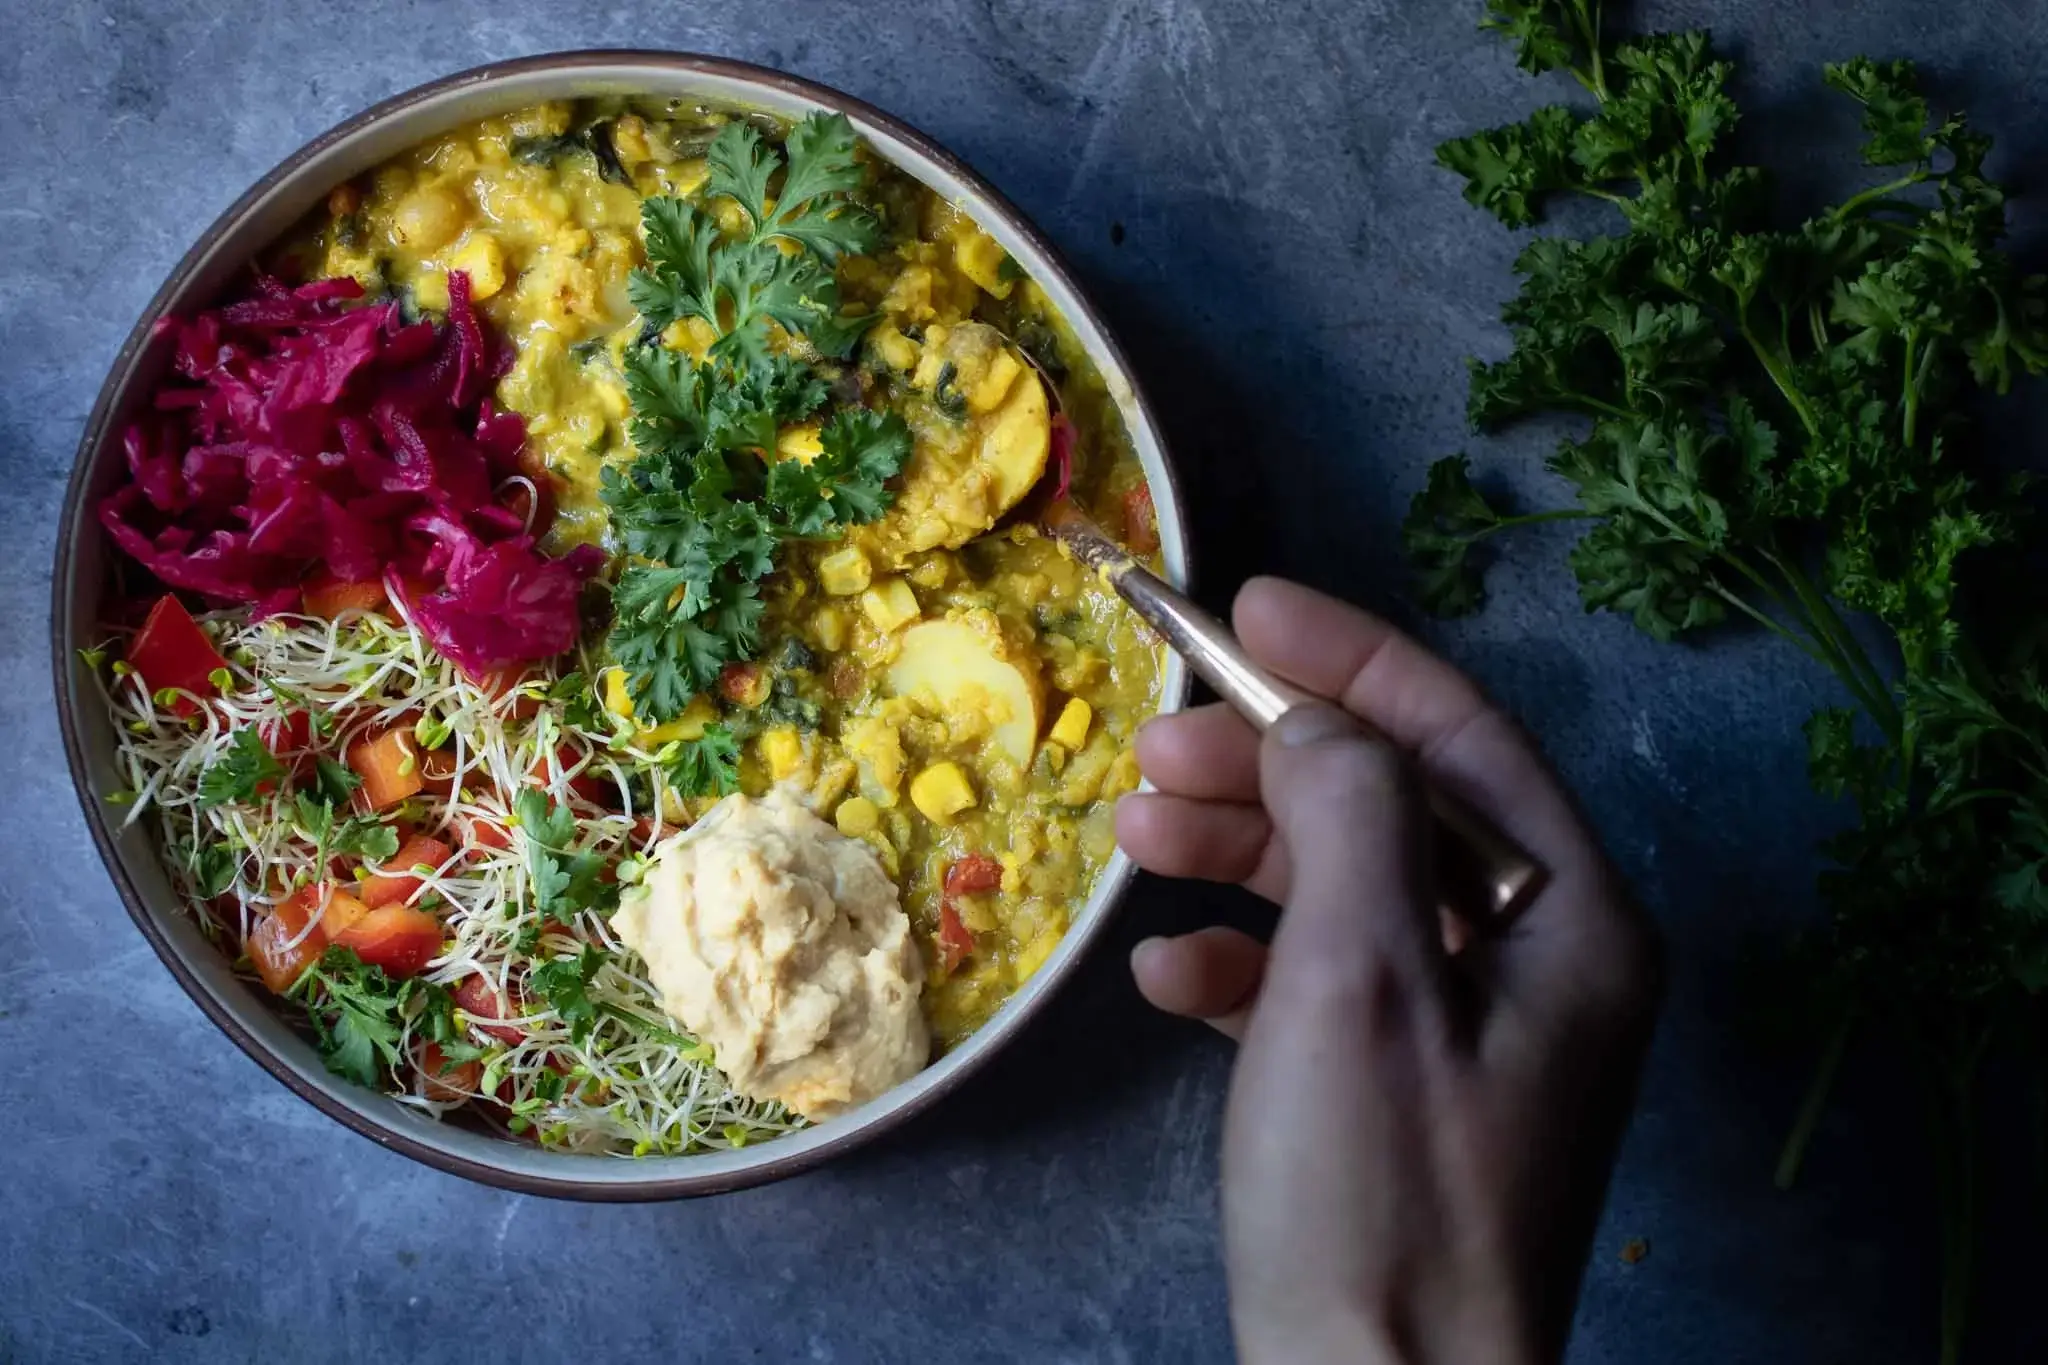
1347	807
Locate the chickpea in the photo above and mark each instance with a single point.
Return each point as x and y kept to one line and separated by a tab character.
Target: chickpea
427	219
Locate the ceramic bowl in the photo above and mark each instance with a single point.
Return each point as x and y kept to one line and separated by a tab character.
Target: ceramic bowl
258	219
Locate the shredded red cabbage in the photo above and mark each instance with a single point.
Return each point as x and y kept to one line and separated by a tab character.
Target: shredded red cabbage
307	428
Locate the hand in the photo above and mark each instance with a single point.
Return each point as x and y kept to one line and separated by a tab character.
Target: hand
1421	1123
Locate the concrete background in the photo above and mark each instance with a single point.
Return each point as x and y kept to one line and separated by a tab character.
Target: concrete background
1299	286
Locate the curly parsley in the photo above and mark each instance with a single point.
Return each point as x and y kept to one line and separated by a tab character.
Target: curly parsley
1775	421
702	511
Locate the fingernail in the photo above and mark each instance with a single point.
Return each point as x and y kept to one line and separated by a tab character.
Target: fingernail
1313	724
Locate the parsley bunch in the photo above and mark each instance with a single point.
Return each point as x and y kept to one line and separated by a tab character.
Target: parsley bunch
700	512
1775	435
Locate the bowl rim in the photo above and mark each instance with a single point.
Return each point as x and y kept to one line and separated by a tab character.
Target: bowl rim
784	1156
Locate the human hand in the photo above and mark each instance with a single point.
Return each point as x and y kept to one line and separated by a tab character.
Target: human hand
1421	1122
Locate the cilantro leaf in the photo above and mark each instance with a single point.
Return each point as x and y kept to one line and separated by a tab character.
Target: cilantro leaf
240	773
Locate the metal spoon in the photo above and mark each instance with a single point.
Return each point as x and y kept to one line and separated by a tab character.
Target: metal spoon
1486	875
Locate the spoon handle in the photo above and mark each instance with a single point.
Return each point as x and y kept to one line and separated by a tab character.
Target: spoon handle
1487	871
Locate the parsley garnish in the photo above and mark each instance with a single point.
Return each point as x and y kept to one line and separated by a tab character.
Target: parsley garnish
362	836
565	983
706	766
700	515
238	774
564	880
336	782
360	1014
1774	421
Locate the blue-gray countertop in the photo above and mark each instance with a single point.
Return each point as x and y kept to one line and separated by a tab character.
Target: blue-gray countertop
1298	286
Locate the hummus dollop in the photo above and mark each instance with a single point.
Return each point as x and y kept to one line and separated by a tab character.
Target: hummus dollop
782	944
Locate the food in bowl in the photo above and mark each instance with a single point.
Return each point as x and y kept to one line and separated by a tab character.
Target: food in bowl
576	475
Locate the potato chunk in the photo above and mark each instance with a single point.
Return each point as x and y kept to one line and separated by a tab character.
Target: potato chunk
983	435
958	666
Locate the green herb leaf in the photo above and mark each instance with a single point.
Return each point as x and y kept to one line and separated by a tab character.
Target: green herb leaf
564	982
240	773
706	766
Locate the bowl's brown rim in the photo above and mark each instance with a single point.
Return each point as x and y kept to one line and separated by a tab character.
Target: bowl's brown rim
653	1188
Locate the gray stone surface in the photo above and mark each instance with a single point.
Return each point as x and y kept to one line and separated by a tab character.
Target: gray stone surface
1298	285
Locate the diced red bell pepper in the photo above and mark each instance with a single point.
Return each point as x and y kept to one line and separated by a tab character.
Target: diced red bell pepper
1141	521
390	887
277	959
479	1000
956	942
397	938
481	832
172	651
389	765
1059	460
290	741
325	596
973	875
448	1082
585	784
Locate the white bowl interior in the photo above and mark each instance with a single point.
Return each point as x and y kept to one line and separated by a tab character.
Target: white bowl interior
261	219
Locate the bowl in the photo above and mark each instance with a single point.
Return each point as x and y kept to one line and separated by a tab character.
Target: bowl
255	221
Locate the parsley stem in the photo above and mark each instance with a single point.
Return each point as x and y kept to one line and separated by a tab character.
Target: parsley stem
1780	376
1857	203
1596	407
1828	622
1814	1103
1534	518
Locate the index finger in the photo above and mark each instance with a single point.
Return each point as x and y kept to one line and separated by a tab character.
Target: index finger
1424	705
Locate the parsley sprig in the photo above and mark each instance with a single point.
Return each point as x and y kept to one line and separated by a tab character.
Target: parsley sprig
701	511
564	879
360	1016
1776	434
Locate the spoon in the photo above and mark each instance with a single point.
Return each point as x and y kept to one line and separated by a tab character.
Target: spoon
1486	876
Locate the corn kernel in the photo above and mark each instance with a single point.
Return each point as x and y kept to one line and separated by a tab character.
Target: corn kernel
941	792
482	258
892	348
799	443
783	751
858	817
980	258
430	290
617	699
889	604
1071	729
690	725
844	573
828	627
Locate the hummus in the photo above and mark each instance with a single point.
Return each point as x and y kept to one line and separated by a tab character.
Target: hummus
781	943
